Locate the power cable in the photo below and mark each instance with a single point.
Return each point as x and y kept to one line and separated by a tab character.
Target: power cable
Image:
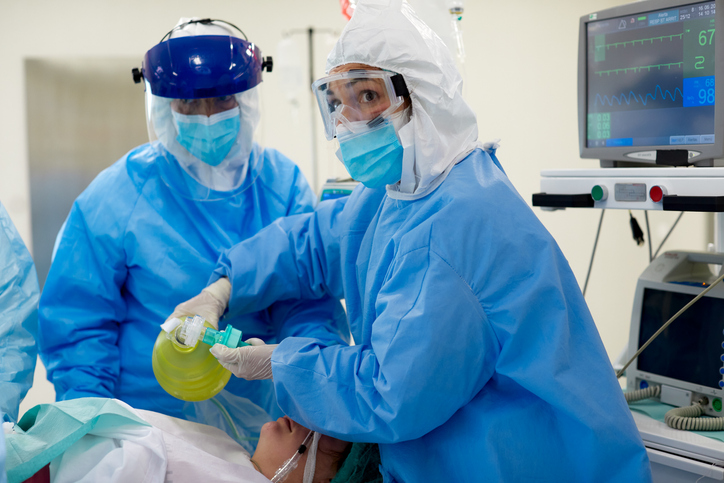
595	244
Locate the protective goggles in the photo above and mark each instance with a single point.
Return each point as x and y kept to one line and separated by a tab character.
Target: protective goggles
359	99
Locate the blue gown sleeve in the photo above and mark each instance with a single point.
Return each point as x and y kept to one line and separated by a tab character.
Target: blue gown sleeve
3	473
384	392
301	196
322	319
82	304
19	295
294	258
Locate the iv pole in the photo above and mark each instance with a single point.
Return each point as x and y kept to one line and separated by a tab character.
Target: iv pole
310	31
312	117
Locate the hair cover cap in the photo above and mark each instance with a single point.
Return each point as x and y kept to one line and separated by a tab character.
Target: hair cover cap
387	34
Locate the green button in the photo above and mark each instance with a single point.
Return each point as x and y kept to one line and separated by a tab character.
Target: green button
597	193
716	404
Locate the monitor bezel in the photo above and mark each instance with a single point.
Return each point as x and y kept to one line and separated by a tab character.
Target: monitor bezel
633	373
610	155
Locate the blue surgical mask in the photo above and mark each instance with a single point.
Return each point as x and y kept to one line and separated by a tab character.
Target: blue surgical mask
208	138
374	158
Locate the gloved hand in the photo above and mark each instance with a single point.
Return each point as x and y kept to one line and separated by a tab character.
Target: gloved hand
249	362
209	304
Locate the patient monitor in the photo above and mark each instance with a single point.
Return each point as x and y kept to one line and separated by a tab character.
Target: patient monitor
687	359
647	84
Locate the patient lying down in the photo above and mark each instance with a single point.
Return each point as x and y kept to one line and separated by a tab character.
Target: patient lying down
95	439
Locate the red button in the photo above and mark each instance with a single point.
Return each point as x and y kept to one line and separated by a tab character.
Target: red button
656	194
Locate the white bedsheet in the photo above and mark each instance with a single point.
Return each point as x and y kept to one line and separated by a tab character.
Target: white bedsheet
171	450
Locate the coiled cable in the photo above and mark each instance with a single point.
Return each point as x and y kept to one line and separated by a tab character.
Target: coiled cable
687	418
651	391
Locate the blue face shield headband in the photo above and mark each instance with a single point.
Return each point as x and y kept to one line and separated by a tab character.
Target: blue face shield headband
202	66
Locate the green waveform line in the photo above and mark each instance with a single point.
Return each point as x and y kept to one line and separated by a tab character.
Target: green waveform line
641	41
638	69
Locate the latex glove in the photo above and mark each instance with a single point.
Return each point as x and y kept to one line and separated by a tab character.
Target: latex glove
209	304
249	362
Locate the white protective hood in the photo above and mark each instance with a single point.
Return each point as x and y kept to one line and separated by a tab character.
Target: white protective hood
387	34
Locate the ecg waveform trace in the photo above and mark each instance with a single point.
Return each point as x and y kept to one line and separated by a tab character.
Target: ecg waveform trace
641	41
638	69
637	97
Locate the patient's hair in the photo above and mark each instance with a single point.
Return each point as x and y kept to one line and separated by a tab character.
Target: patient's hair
337	462
360	464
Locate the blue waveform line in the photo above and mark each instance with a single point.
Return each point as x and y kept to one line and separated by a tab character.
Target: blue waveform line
637	97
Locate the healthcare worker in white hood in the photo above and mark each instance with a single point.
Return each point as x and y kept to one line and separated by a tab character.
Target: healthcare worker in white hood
147	232
476	358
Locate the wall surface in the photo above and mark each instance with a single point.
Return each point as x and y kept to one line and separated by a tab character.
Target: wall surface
82	116
520	75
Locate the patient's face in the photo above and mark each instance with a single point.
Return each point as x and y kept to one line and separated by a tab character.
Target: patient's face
280	439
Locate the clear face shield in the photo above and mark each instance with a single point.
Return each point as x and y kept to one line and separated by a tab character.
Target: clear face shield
202	108
210	139
358	101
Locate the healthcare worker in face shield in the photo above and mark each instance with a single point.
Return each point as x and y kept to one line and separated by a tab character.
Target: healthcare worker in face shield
476	358
140	238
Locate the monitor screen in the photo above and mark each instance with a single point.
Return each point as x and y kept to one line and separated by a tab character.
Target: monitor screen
690	349
649	80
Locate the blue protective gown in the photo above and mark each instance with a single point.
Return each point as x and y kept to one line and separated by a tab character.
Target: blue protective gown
133	248
476	357
3	475
19	295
